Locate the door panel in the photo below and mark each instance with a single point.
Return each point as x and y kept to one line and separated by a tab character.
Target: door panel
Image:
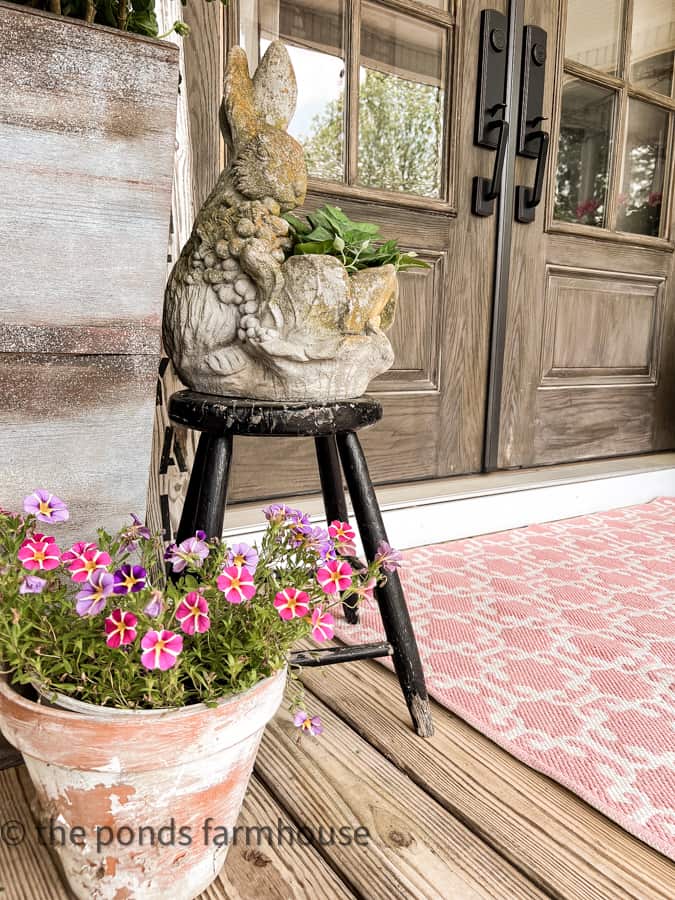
410	172
588	366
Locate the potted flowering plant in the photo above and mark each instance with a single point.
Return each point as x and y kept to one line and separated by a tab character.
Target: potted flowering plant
138	692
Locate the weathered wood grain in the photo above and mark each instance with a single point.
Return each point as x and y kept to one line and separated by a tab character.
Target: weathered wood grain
276	870
545	831
416	849
27	870
87	125
80	426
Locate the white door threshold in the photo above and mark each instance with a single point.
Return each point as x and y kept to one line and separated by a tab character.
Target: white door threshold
430	512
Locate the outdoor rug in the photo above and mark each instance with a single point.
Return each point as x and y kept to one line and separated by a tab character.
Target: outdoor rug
557	641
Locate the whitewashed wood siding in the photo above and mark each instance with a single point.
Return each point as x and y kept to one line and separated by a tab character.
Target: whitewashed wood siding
87	136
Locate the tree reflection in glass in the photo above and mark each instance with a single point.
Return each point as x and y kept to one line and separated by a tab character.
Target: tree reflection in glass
584	149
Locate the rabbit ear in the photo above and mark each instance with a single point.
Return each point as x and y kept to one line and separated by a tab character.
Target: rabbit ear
274	86
238	118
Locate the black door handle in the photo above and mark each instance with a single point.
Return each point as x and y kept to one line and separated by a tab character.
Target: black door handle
484	192
527	199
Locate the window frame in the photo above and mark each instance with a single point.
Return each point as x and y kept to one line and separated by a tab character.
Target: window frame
349	188
624	91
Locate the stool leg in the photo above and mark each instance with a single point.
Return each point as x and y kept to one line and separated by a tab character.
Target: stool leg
207	493
188	526
393	609
334	501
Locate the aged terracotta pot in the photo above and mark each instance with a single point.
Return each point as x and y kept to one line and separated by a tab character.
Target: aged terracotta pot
110	774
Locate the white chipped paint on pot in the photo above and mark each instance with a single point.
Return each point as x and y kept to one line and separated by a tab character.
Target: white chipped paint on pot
103	773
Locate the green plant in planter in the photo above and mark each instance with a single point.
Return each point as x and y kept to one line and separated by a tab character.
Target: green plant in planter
136	16
93	623
358	245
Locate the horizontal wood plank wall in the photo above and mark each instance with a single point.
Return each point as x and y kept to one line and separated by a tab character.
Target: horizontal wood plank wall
87	127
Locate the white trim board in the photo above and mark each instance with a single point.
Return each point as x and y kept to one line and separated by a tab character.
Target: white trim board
432	512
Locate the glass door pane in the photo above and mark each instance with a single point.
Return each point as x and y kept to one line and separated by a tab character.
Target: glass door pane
313	32
644	163
653	45
584	153
402	85
593	36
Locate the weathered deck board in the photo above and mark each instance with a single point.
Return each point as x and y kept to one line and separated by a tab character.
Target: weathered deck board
548	833
416	848
276	871
27	871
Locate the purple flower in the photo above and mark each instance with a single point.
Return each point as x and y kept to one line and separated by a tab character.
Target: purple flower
45	507
93	597
243	555
32	584
156	605
389	558
137	530
190	552
317	539
276	513
308	724
129	579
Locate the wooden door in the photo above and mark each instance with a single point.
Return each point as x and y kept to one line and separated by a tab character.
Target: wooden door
385	112
589	352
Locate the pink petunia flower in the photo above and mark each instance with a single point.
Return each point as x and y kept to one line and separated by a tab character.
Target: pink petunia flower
129	579
322	625
236	583
193	613
334	576
121	628
243	555
43	538
93	597
389	559
77	551
308	724
291	603
32	584
366	589
161	649
43	555
342	532
86	565
45	507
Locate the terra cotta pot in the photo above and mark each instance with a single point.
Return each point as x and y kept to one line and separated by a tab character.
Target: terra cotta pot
180	776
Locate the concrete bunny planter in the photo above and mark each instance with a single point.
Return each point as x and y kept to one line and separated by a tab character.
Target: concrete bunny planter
180	775
239	317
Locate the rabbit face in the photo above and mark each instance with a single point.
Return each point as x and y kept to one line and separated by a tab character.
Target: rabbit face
272	164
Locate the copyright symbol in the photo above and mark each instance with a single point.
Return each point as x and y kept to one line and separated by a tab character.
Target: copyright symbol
12	833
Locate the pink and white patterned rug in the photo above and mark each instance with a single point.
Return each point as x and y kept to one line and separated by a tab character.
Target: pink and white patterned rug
557	641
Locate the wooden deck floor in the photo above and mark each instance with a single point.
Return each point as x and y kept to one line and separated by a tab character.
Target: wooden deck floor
453	817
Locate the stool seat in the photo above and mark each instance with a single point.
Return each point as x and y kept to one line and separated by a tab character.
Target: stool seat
216	414
333	427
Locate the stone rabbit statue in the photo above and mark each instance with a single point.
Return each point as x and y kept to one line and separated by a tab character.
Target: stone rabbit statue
241	319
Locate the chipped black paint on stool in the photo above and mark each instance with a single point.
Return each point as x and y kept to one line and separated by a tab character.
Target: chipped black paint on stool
338	449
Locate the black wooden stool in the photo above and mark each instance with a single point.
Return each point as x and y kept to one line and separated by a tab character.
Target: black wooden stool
333	427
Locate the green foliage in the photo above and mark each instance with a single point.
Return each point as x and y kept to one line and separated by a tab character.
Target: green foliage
44	642
356	244
135	16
